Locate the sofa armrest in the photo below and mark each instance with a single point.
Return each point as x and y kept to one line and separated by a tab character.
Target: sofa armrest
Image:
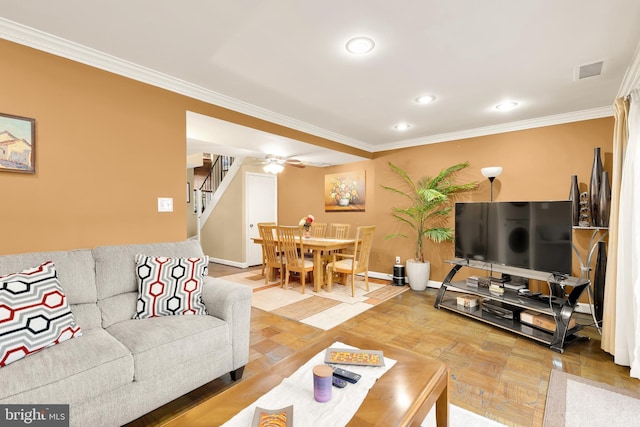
231	302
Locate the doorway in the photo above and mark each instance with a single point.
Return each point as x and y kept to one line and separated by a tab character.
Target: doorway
261	203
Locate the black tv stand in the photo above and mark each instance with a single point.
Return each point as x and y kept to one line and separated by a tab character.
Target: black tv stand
560	307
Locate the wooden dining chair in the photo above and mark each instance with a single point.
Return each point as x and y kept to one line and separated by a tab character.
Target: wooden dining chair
264	255
318	229
339	231
351	264
292	246
336	231
272	257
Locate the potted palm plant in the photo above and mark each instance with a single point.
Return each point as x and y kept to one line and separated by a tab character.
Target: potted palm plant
429	206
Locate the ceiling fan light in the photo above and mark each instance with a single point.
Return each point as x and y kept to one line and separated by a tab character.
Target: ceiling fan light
273	168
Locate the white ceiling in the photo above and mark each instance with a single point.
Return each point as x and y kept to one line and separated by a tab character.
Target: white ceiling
284	61
210	135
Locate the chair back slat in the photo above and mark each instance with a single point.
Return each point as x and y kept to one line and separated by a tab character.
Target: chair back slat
364	241
339	231
318	229
269	242
271	256
289	245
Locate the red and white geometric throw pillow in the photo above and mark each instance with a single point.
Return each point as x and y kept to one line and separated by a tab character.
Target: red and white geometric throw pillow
34	313
170	286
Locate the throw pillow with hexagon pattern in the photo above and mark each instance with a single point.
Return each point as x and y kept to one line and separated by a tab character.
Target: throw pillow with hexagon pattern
34	313
169	286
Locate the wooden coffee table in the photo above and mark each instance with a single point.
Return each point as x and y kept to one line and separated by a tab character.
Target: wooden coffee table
403	396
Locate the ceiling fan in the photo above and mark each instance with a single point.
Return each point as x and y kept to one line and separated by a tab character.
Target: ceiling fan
275	164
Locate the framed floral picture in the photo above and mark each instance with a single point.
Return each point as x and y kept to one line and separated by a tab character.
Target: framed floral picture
17	144
344	191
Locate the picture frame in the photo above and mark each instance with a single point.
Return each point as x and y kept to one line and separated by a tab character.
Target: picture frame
17	144
345	191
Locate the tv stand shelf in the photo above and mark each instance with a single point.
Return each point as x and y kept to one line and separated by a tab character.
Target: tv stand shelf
560	308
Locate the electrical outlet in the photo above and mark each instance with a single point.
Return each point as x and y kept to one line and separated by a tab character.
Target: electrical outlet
397	260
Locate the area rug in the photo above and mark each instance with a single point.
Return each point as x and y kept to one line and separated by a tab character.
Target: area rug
460	417
575	401
323	309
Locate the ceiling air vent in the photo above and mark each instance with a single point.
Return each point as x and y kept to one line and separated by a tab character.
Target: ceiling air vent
589	70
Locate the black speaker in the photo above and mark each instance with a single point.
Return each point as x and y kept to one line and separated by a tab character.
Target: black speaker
398	275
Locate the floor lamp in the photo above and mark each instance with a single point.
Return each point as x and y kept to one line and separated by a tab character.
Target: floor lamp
491	172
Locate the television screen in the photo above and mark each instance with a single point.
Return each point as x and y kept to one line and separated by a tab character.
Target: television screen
533	235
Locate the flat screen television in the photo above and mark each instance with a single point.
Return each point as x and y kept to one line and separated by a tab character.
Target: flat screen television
533	235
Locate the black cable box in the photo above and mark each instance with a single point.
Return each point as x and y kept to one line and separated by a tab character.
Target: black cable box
501	309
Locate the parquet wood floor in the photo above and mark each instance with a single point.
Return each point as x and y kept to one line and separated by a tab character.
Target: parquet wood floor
494	373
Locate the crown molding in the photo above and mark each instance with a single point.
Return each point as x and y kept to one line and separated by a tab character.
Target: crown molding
58	46
631	78
576	116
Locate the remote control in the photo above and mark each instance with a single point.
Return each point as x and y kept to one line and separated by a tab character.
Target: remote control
339	382
352	377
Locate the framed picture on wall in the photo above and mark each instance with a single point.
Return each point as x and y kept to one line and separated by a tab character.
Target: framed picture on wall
17	144
345	191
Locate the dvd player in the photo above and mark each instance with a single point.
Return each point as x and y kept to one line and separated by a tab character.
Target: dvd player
501	309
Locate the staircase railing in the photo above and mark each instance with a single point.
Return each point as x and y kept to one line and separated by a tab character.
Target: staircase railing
212	181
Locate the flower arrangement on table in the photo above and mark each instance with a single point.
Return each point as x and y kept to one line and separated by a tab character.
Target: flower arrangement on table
306	222
343	188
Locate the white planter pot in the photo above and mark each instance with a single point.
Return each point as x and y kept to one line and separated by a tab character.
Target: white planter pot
418	274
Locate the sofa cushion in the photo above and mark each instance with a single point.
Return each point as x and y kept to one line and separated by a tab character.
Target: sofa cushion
170	286
75	371
76	273
116	273
159	344
34	313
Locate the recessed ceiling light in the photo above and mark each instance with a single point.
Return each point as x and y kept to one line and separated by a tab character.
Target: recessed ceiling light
360	45
425	99
506	106
402	126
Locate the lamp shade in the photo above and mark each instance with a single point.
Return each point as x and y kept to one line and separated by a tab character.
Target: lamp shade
491	171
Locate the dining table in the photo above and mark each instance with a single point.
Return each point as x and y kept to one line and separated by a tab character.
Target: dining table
318	245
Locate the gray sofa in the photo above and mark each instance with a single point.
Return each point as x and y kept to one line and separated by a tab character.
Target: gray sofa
120	369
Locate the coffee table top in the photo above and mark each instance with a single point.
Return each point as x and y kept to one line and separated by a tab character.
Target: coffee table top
402	396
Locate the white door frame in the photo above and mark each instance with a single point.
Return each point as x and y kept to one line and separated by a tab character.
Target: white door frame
261	205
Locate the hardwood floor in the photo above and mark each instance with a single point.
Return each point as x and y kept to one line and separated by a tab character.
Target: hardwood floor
494	373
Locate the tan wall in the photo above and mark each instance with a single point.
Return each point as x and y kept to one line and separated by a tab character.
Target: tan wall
224	234
106	148
538	164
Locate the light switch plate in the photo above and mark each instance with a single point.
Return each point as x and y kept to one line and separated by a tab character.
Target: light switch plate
165	204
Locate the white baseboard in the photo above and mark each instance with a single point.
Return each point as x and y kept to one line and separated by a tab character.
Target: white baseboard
229	263
582	307
389	276
374	274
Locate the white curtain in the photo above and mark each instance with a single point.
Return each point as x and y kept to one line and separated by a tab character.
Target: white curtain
620	140
627	330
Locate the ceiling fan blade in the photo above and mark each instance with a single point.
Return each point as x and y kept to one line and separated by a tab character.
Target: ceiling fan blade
296	165
294	162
